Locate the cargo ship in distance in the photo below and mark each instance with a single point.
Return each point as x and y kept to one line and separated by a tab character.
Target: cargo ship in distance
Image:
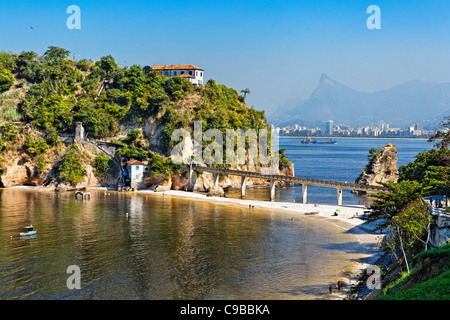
309	140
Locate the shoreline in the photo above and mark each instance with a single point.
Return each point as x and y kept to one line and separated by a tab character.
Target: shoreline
348	219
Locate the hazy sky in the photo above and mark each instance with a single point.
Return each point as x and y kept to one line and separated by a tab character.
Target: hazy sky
277	49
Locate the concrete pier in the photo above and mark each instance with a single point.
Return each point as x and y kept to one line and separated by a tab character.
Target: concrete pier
242	187
216	179
304	193
84	195
289	179
272	190
339	196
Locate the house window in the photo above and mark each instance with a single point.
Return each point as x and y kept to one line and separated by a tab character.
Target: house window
182	72
190	72
174	73
137	168
201	74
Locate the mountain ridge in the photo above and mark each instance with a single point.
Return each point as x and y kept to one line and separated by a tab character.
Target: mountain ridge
414	101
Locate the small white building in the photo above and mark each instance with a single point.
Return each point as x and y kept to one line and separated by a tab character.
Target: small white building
192	73
135	173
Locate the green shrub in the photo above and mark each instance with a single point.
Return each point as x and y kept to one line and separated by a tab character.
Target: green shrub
101	164
131	152
40	162
71	169
162	166
35	145
6	80
11	114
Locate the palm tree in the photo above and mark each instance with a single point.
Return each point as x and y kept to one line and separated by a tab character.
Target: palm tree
245	92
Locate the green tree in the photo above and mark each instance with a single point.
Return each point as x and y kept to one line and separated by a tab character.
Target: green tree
6	80
388	204
411	225
7	61
246	92
71	169
442	137
283	160
54	55
108	64
416	170
437	180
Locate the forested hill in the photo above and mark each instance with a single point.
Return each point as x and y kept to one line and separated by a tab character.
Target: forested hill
43	97
52	92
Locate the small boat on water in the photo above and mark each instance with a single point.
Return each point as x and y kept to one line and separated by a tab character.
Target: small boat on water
28	231
309	140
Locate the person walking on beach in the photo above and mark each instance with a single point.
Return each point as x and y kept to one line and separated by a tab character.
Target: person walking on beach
330	288
339	285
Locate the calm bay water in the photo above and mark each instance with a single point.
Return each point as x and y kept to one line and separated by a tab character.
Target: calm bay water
166	248
343	162
169	248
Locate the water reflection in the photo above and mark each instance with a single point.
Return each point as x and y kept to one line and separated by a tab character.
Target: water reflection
131	246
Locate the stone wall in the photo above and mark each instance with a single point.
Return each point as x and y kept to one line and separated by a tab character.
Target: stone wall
440	231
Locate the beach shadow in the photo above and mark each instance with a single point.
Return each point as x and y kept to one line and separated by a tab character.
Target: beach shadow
312	290
318	291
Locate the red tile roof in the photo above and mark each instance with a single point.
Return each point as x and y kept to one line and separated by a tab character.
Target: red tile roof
135	162
176	67
185	75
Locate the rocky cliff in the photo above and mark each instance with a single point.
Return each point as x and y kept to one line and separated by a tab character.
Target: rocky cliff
21	168
382	167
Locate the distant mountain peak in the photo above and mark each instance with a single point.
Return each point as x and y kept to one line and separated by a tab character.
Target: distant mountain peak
324	79
414	101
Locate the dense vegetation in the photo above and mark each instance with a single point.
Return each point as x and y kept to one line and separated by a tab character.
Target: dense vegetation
406	216
428	280
104	95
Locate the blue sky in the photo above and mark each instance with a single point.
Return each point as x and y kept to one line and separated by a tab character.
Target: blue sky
277	49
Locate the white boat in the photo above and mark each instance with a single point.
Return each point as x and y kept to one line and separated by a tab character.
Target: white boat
28	231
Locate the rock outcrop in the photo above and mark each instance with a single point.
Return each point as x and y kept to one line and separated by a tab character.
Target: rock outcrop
20	174
204	182
382	167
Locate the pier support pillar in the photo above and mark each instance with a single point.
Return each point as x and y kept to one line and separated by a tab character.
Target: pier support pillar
339	196
242	187
272	190
304	193
216	179
192	178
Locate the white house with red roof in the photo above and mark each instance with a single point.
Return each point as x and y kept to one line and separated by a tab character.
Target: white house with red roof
134	173
188	71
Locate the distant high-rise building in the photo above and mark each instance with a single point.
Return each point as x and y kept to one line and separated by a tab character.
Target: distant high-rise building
329	127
